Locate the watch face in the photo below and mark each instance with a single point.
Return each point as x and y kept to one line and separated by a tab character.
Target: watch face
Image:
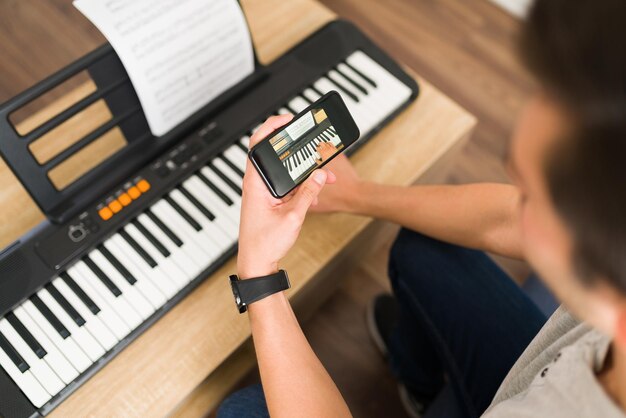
235	288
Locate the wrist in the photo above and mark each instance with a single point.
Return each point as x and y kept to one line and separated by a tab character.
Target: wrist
252	270
356	201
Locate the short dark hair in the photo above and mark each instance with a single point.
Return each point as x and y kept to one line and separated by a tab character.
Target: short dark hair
576	50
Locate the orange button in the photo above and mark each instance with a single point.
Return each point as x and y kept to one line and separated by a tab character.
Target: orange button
143	185
134	192
105	213
124	199
115	206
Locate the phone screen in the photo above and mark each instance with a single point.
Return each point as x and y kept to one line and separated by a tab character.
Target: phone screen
306	143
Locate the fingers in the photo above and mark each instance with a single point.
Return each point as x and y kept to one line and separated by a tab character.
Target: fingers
270	125
308	191
331	178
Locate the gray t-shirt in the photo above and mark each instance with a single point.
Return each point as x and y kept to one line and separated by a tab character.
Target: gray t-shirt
555	375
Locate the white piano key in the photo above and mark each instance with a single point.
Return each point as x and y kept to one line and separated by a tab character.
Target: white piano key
228	219
311	94
38	367
284	111
178	254
119	304
55	359
144	283
237	157
74	354
220	184
135	299
362	118
156	275
204	243
215	234
364	103
173	221
25	381
94	325
107	314
386	82
245	141
384	101
173	273
227	171
298	104
79	334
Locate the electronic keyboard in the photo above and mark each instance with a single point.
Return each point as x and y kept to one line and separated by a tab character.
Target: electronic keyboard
85	283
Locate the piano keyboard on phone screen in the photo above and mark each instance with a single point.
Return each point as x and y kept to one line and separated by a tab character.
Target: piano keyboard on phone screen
93	304
306	155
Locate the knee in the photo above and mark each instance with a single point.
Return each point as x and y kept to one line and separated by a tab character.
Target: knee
245	403
412	249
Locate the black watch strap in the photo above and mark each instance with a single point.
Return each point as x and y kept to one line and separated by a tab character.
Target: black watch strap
253	290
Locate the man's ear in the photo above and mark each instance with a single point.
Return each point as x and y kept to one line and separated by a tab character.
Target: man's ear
620	326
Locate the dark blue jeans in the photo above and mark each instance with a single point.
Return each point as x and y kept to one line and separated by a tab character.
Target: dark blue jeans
463	323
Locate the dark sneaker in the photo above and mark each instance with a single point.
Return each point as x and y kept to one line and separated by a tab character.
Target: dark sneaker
382	316
413	406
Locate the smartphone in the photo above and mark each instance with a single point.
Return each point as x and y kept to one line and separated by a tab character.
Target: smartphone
314	137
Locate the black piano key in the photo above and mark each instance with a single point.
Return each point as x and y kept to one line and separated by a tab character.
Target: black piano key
293	112
142	253
215	189
206	212
26	335
232	166
80	321
117	264
47	313
15	357
356	84
170	234
226	179
89	303
317	91
153	240
342	88
287	164
332	129
242	146
297	159
103	277
363	76
186	216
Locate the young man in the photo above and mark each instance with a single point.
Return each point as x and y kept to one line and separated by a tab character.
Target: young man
462	339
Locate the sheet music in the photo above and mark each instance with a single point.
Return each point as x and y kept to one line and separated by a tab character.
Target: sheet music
179	54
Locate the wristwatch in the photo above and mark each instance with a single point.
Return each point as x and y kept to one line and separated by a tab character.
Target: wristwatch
252	290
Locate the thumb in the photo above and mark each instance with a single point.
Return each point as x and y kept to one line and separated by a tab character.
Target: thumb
308	191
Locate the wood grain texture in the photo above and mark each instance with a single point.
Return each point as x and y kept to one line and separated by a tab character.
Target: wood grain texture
173	358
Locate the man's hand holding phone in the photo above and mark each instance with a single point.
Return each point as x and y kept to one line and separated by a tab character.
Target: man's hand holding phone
269	227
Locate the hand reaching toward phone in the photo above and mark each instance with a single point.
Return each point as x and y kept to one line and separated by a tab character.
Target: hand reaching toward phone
345	192
325	150
269	226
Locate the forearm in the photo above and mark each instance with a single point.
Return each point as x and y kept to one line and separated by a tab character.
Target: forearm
294	381
480	216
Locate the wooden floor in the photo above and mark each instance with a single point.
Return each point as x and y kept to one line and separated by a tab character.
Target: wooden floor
465	48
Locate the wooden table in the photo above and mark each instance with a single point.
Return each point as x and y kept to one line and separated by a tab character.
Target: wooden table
189	359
